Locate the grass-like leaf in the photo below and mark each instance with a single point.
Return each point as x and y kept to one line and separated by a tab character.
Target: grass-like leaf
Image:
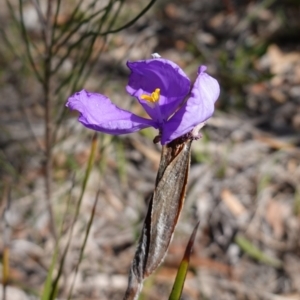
255	253
48	292
183	268
84	243
50	286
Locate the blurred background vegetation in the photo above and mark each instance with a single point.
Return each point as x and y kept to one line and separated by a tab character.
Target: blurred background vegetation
245	174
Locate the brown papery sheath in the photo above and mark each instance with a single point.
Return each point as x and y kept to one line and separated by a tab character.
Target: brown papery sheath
163	213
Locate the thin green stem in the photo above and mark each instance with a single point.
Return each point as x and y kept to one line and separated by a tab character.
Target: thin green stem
48	115
87	54
91	33
76	45
75	30
88	229
26	40
93	63
55	24
72	20
97	33
42	20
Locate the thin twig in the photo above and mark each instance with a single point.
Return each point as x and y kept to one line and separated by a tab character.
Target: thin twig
48	116
24	34
98	33
76	29
39	12
131	22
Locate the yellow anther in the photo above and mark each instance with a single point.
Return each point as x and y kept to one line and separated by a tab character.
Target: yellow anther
154	97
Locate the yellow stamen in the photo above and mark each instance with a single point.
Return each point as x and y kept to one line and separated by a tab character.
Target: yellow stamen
154	97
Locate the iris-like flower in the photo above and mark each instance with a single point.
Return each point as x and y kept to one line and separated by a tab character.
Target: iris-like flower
165	93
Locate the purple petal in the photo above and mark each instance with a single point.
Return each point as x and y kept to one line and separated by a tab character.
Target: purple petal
148	75
197	109
97	112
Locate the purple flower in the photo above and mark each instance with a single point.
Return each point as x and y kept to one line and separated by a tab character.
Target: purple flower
161	87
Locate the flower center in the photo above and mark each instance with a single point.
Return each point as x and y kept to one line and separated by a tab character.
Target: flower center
153	98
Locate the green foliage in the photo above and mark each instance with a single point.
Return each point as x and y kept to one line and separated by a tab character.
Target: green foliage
42	56
183	268
255	253
50	289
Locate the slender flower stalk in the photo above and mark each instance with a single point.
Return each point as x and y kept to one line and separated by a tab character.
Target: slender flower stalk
164	91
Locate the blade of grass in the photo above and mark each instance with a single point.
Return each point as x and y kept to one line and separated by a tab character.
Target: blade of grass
121	162
183	268
51	287
84	243
63	257
255	253
87	173
48	287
